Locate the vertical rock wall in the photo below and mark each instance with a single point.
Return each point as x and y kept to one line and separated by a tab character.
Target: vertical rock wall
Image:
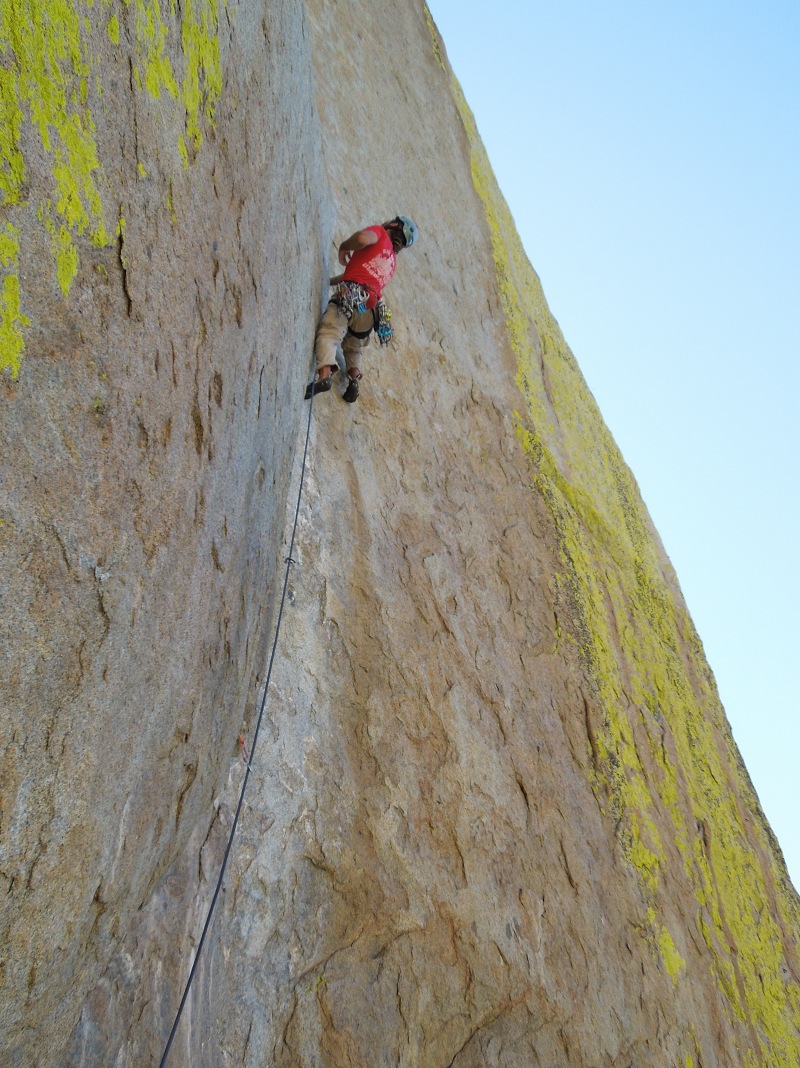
497	817
501	819
160	252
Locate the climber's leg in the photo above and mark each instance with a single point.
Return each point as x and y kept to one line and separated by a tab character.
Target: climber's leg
330	332
332	328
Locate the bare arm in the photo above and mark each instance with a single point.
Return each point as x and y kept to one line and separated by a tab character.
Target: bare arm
360	239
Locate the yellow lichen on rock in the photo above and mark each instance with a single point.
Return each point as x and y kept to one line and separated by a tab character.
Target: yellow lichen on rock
434	37
46	81
11	317
202	78
12	165
202	75
151	45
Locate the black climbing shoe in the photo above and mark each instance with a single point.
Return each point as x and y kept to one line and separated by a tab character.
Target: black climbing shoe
351	393
322	385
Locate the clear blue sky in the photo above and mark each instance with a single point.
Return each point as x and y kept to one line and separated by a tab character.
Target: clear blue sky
650	154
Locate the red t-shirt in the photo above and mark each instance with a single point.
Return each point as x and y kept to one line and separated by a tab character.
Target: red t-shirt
374	265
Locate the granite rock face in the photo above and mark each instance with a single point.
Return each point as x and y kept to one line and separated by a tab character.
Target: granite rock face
496	815
148	432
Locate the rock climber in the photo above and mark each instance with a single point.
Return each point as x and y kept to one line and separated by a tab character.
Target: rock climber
356	307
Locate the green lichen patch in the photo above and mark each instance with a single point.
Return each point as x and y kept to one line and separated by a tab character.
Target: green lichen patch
665	769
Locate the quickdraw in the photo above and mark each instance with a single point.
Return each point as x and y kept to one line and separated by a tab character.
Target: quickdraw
383	326
353	299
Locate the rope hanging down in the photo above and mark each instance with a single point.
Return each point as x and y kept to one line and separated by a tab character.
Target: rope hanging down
249	762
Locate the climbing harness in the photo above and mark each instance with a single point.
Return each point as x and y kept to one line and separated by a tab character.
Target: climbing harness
360	334
246	757
381	324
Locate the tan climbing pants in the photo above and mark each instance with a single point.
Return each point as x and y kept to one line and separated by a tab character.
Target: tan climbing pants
332	331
